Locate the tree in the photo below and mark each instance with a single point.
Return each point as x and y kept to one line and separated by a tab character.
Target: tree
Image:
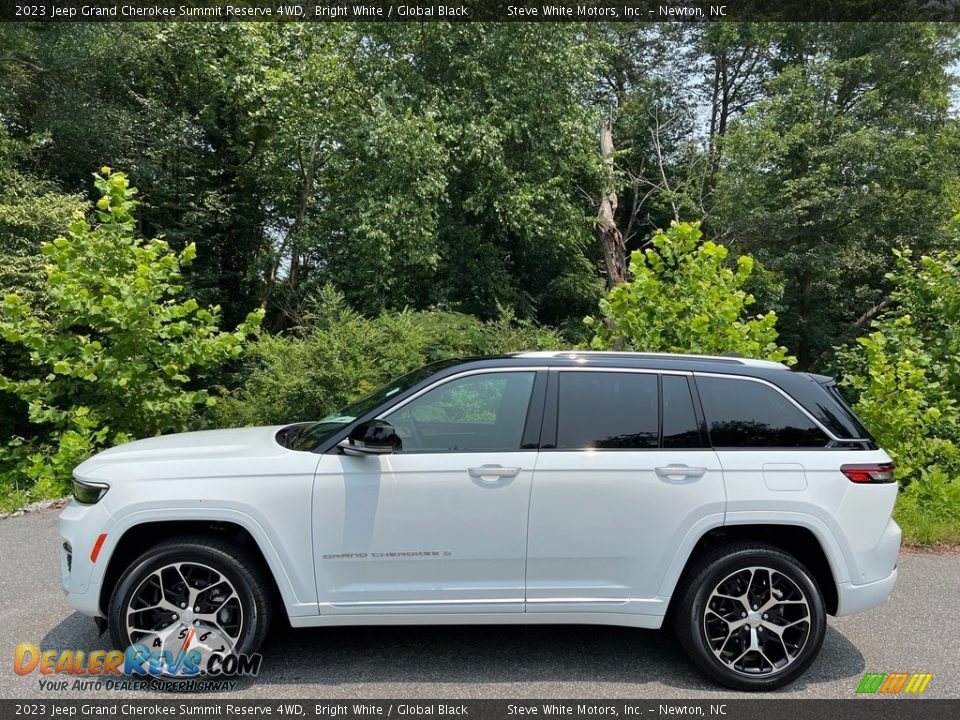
113	351
849	156
683	298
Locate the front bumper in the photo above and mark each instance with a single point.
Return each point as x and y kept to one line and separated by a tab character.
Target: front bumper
79	527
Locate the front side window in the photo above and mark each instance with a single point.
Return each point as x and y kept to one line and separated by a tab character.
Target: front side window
310	436
743	413
607	410
484	412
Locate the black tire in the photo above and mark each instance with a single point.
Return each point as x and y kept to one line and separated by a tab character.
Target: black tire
242	569
729	564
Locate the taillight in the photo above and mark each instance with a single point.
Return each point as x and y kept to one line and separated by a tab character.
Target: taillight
869	473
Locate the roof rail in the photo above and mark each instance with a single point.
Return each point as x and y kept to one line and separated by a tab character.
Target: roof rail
731	359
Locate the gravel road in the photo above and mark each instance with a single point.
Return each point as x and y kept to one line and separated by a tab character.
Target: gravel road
916	631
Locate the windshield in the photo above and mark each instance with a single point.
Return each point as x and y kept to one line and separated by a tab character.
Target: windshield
313	434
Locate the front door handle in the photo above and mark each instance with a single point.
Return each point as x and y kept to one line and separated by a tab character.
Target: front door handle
680	472
493	473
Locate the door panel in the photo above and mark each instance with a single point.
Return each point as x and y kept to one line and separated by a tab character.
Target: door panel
440	526
604	525
420	533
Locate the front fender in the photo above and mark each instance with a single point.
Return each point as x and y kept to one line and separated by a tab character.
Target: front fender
299	597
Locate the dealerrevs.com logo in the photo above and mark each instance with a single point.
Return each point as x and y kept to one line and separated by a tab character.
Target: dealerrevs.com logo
894	683
189	669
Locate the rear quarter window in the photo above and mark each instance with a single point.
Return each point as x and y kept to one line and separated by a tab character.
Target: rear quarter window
750	414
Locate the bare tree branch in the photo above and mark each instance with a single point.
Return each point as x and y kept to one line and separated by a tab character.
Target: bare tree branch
611	239
872	313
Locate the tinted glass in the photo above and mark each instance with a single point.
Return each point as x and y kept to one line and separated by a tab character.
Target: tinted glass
607	410
309	436
859	430
679	420
473	413
742	413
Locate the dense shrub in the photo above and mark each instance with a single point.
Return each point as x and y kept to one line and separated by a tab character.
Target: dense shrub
905	376
340	355
684	298
111	346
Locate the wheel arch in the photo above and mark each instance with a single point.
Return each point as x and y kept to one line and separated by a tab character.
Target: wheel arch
138	537
797	540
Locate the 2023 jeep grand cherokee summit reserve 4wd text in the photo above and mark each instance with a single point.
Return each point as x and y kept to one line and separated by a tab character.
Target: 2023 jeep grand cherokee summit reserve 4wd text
736	499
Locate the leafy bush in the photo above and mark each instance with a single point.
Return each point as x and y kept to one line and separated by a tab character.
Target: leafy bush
905	375
340	355
684	298
111	348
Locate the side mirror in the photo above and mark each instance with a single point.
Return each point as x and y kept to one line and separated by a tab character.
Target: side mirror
373	437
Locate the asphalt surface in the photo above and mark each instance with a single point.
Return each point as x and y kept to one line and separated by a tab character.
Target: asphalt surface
918	630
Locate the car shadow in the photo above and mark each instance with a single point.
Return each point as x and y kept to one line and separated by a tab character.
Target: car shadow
365	658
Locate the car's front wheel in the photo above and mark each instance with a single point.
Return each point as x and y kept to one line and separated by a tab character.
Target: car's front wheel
750	616
191	598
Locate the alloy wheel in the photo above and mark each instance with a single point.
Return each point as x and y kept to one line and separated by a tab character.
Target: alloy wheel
757	621
185	606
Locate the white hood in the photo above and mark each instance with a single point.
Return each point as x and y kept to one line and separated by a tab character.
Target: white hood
186	454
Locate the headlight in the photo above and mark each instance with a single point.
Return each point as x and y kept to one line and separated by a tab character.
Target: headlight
87	492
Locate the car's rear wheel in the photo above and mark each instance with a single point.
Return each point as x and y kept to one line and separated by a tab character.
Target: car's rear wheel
750	616
195	595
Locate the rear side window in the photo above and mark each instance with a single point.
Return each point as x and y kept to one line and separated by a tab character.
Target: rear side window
743	413
607	410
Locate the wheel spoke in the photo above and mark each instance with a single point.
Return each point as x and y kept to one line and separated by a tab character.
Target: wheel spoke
779	629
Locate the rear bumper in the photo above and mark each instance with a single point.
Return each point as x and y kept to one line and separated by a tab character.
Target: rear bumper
856	598
878	567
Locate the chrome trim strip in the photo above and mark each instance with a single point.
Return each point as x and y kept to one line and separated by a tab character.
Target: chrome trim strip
421	603
641	371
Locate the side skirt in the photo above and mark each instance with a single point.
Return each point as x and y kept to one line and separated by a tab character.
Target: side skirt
651	622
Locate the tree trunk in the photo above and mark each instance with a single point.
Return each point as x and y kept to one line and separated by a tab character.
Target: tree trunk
291	239
611	239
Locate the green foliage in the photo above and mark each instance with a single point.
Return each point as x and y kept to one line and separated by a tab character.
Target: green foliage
112	347
684	298
846	156
928	510
31	211
905	374
430	166
339	355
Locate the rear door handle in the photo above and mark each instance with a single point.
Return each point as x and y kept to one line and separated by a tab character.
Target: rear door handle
680	472
493	473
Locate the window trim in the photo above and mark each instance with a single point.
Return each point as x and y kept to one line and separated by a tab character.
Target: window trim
831	438
532	406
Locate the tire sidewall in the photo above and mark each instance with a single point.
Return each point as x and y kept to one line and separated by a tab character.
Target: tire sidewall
792	569
220	561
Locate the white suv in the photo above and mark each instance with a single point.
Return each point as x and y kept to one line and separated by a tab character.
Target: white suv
737	499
